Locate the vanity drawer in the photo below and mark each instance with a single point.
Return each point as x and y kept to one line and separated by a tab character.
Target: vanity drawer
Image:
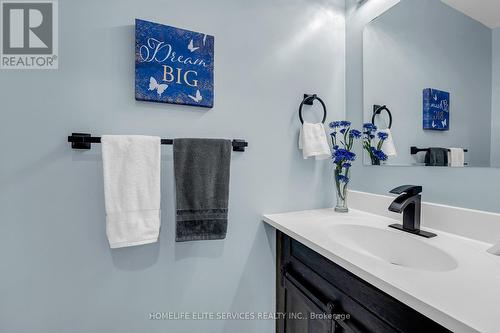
371	307
346	314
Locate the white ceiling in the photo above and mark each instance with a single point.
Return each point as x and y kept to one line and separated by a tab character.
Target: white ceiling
484	11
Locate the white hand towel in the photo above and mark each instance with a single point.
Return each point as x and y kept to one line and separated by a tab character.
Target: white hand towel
313	141
456	157
388	146
131	165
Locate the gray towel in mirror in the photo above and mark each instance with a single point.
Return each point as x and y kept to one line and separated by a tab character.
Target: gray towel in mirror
201	169
436	157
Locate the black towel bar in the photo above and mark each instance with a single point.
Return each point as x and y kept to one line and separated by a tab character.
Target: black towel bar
415	150
84	140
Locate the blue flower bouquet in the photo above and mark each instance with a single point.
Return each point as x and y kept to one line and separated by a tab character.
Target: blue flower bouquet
371	145
343	137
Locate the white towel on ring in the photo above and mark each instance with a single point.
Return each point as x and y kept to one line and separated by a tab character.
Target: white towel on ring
388	147
313	141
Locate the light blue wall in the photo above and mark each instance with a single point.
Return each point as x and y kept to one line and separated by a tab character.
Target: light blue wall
471	187
421	44
57	271
495	101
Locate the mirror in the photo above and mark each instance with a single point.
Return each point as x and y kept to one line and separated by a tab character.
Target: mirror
431	76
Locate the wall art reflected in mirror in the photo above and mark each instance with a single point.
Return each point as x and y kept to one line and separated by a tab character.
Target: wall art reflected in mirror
431	74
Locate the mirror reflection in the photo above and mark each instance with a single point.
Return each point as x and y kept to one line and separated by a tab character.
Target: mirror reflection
431	73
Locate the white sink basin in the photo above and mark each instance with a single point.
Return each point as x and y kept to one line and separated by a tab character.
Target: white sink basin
393	247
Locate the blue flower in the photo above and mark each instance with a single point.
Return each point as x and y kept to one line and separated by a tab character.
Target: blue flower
355	134
379	154
342	155
343	130
372	136
334	124
336	147
369	127
382	135
346	165
343	179
345	123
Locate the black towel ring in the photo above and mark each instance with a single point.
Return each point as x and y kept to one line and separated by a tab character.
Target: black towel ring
377	109
308	100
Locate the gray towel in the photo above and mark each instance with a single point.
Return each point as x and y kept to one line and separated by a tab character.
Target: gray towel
436	157
201	169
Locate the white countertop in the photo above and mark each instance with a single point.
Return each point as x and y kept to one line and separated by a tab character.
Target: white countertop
465	299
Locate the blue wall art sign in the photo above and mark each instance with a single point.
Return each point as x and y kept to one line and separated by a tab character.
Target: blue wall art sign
173	65
436	110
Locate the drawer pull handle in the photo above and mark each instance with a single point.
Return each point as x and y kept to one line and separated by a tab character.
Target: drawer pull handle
327	307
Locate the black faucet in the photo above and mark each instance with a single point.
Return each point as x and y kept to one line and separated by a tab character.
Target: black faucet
409	203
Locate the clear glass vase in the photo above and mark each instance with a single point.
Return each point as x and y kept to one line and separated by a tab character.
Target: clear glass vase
375	161
341	189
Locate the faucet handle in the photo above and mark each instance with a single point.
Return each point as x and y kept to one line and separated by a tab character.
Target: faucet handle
408	189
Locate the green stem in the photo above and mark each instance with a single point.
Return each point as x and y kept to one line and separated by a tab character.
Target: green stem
346	132
367	147
380	143
338	184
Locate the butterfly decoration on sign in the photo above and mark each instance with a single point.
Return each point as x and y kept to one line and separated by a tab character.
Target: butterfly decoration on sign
173	65
154	85
197	98
191	46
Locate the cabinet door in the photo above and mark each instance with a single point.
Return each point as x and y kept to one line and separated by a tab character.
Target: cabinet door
304	312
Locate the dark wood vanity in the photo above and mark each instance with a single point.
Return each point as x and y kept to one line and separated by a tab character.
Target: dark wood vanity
316	295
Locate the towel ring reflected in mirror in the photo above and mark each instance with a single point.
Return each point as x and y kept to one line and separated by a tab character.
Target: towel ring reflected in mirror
309	100
377	110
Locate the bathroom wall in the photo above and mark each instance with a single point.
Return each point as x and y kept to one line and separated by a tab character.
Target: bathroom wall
466	187
58	273
495	101
409	48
